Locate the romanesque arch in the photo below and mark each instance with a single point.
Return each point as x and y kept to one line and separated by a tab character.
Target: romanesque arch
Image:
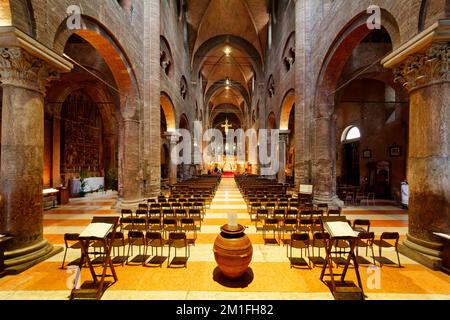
169	111
285	109
115	57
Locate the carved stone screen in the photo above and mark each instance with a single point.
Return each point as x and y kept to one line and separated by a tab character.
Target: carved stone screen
81	147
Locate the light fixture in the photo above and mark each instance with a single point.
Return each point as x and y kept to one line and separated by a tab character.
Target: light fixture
227	51
227	87
227	81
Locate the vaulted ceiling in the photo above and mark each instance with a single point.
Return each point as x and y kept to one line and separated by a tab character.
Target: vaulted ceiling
247	19
227	39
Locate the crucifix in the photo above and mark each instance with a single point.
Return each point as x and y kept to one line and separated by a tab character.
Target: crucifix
227	126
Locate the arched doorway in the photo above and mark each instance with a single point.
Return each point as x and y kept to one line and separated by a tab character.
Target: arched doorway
351	150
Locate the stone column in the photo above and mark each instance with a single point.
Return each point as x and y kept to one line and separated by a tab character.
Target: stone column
324	155
186	171
284	138
131	173
303	92
423	69
22	158
173	139
109	155
151	93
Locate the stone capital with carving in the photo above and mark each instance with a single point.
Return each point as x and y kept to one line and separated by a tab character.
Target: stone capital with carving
424	69
284	136
172	137
20	69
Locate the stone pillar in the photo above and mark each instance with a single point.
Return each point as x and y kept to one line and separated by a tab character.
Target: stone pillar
131	173
186	171
303	92
150	116
173	139
22	158
324	155
423	68
109	156
282	147
56	152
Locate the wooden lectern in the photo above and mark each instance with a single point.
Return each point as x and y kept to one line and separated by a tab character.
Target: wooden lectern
339	230
101	229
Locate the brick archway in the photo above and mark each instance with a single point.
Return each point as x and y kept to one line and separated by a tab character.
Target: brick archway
324	132
286	108
169	111
115	57
341	50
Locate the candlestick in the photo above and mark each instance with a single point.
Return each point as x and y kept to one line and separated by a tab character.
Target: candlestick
232	219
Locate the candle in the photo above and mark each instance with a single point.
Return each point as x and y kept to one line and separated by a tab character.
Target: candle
232	219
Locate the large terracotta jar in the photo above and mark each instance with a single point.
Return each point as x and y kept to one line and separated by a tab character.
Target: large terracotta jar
233	251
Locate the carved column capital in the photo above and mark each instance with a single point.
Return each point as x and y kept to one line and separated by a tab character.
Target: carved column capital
424	69
172	137
20	69
284	136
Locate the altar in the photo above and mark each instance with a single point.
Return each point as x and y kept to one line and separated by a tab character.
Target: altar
228	165
92	184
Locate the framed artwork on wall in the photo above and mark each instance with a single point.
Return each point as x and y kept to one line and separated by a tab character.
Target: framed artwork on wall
367	153
395	151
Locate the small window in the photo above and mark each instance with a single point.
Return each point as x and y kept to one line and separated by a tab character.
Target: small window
350	134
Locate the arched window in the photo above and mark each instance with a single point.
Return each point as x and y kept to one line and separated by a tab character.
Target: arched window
351	134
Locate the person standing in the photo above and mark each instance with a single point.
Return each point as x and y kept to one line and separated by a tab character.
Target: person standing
405	193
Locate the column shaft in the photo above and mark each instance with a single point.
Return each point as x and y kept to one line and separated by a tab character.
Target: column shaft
22	158
425	73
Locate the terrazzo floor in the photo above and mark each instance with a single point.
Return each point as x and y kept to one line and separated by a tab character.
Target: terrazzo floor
270	276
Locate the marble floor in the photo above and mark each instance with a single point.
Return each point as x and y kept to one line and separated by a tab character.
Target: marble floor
272	277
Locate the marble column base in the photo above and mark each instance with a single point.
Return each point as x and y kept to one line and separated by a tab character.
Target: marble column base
332	201
427	253
19	260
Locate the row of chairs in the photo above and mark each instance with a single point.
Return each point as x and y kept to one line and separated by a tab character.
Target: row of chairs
282	226
143	240
262	214
198	203
359	198
166	224
366	240
271	204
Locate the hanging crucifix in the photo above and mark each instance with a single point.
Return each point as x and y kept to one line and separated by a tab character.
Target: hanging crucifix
227	126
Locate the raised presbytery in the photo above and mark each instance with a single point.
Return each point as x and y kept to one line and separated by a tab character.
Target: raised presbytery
226	149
